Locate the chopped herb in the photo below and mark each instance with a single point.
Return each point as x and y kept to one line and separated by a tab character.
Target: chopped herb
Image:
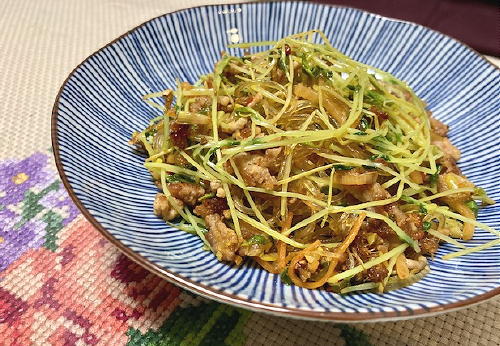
426	225
326	74
206	196
472	205
354	87
409	199
342	167
205	110
250	111
257	239
179	178
360	133
421	207
150	134
177	108
254	141
368	167
434	177
312	71
283	63
394	137
375	98
245	110
365	123
381	156
224	143
285	278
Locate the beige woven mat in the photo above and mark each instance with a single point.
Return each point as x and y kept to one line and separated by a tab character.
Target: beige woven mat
41	42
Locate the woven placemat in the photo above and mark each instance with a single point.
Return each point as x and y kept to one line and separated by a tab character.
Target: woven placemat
61	282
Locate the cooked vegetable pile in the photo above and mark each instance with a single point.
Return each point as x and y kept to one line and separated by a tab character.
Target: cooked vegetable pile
322	169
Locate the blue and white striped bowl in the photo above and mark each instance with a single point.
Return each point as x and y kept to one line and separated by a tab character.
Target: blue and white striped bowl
100	105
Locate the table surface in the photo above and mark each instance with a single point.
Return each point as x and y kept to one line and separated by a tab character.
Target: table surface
61	282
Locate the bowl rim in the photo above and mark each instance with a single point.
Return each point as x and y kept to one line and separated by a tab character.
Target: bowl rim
229	298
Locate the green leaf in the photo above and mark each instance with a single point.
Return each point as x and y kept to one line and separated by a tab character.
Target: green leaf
365	123
285	278
426	225
434	177
342	167
375	98
206	196
421	207
472	205
258	239
224	143
312	71
179	178
381	156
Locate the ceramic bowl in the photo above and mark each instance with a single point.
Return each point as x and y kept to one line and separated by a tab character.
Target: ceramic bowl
100	105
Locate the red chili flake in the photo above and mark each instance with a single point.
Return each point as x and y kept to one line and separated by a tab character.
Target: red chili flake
209	206
380	114
179	134
288	50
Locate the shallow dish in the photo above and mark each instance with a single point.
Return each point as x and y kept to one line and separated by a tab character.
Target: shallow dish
100	105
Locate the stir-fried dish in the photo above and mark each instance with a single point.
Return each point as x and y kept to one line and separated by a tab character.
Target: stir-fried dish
322	169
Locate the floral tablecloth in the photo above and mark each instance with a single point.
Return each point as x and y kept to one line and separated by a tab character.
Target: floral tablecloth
61	282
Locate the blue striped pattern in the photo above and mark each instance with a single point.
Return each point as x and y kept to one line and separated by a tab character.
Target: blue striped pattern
100	106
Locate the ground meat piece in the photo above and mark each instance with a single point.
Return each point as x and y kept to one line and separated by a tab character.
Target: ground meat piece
163	208
254	168
379	227
366	193
247	132
255	175
223	100
438	127
302	270
428	244
376	273
395	213
234	125
216	187
211	206
449	165
416	265
413	226
223	239
306	268
277	75
200	104
179	134
448	149
224	104
361	247
256	99
186	192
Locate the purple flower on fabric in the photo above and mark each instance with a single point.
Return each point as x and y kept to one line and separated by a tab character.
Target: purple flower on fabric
33	207
12	192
